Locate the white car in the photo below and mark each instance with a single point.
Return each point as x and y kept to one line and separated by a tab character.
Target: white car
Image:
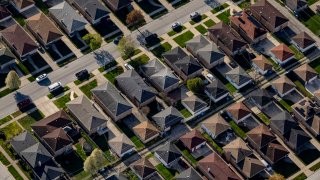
176	25
41	77
128	66
194	15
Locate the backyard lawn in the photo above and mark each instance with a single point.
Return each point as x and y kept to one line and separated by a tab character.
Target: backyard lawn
315	167
158	51
224	16
86	89
212	142
264	118
297	54
189	157
231	88
183	38
4	160
201	29
31	118
111	76
285	105
164	172
302	89
141	60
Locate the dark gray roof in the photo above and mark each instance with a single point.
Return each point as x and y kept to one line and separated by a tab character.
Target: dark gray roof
210	53
188	65
118	4
283	122
298	137
261	97
22	141
216	89
175	54
167	117
134	87
110	97
69	17
36	155
168	153
251	166
238	76
194	103
197	43
188	174
86	112
6	56
50	171
93	8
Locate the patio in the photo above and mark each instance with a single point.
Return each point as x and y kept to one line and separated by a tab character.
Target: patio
201	152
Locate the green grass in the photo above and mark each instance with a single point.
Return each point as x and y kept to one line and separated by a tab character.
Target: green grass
11	130
209	23
4	160
5	119
302	89
264	118
201	29
164	172
31	118
224	16
315	64
136	141
315	167
310	2
42	6
31	78
82	175
285	105
202	18
231	88
6	92
16	114
136	51
149	155
275	65
312	22
212	142
185	113
237	129
77	82
245	4
301	176
50	95
24	70
172	33
61	102
129	174
113	74
217	9
297	54
158	51
86	89
14	173
190	157
183	38
80	151
141	60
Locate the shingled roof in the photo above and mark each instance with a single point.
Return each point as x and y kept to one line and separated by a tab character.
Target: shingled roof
216	89
283	122
238	110
238	76
261	136
6	56
192	139
303	40
121	144
143	168
297	138
283	84
145	130
261	97
167	117
251	167
282	52
194	103
275	151
93	8
4	13
306	72
197	43
188	65
237	149
188	174
168	153
22	3
210	53
262	62
216	124
118	4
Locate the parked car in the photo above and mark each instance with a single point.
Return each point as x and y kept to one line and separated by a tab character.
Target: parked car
24	103
176	25
41	77
54	87
195	15
210	77
128	66
83	74
117	40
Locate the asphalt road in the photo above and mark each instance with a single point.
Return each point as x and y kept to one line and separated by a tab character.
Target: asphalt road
66	73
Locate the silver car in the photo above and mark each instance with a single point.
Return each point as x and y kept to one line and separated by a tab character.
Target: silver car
41	77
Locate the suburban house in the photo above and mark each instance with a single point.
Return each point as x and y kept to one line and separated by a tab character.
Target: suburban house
238	112
146	131
92	10
87	115
67	18
207	53
168	154
192	140
143	169
238	77
215	125
184	65
121	145
265	143
214	167
308	113
262	65
51	132
37	157
283	85
306	73
282	54
111	101
7	59
296	5
4	14
19	41
188	174
248	28
22	5
303	41
261	98
133	86
43	29
195	105
227	39
241	157
167	118
161	77
216	90
117	5
268	16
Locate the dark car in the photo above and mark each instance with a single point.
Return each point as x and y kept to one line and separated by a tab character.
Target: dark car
117	40
81	75
24	103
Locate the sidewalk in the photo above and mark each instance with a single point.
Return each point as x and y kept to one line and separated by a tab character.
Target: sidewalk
13	163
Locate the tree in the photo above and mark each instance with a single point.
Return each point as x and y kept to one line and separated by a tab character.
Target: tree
89	165
95	161
127	46
195	85
13	80
94	41
276	176
134	18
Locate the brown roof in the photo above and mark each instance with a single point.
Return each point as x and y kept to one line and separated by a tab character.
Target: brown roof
4	12
303	39
143	168
215	168
237	149
192	139
145	130
41	25
275	152
260	135
252	166
282	52
262	62
238	110
269	13
305	72
283	84
23	3
19	39
216	124
245	22
57	139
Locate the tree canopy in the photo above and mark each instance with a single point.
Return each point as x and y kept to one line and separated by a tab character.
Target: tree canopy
94	40
95	161
126	46
134	17
12	80
195	85
276	176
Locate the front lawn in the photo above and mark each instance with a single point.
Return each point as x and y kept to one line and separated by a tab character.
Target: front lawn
244	4
201	29
136	51
209	23
164	172
224	16
174	32
141	60
264	118
111	76
31	118
311	20
11	130
183	38
301	176
5	119
219	8
86	89
158	51
192	22
14	173
4	160
62	101
315	167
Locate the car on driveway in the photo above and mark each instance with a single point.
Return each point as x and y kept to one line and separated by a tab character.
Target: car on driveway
41	77
117	40
128	66
176	25
195	15
83	74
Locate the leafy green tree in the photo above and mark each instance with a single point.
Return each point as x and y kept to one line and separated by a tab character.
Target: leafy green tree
95	161
94	41
127	46
195	85
276	176
13	80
